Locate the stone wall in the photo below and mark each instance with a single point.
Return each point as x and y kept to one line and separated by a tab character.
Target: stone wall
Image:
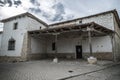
36	56
116	38
100	55
62	55
10	59
25	47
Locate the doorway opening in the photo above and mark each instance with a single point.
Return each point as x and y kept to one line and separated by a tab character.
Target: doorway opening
78	51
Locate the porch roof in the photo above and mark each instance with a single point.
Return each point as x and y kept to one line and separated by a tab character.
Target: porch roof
94	27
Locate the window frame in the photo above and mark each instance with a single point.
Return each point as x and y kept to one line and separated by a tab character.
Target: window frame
11	44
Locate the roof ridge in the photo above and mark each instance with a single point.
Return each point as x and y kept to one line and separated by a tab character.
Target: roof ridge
23	14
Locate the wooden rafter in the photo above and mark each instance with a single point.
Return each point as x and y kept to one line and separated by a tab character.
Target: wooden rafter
74	27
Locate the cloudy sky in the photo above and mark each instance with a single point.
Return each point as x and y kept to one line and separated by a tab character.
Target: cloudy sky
52	11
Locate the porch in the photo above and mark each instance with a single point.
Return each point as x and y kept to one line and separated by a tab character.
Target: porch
74	41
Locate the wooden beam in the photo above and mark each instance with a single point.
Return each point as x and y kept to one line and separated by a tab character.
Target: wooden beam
54	30
69	28
61	30
99	31
90	42
56	39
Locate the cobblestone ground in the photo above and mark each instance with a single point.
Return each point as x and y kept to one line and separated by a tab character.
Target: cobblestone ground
44	70
112	73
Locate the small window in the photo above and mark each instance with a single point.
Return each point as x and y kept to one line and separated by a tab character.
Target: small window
80	21
53	46
15	26
11	44
40	27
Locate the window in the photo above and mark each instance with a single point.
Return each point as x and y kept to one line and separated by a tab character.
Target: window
40	27
80	21
11	44
15	26
53	46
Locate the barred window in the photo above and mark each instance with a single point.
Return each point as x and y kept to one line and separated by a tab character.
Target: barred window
11	44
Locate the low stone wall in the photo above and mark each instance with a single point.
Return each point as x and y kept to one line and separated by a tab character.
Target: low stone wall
117	58
10	59
62	55
50	55
100	55
36	56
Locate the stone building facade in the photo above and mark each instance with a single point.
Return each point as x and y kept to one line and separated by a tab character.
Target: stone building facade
34	39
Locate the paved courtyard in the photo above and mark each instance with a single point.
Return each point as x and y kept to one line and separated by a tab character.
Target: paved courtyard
48	70
111	73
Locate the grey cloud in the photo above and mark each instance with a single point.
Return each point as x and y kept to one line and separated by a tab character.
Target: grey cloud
35	10
46	15
10	2
59	8
17	3
57	17
35	2
32	1
59	13
69	16
1	3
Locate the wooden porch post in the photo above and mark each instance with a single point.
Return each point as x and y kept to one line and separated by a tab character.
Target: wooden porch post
56	36
56	41
90	41
91	59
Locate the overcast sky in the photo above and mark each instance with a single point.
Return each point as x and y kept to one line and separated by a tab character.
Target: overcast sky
52	11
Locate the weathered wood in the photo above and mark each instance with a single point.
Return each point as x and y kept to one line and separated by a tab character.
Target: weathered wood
90	42
56	36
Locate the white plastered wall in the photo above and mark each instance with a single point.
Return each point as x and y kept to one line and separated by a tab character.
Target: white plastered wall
34	25
38	45
24	24
106	20
67	45
17	35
